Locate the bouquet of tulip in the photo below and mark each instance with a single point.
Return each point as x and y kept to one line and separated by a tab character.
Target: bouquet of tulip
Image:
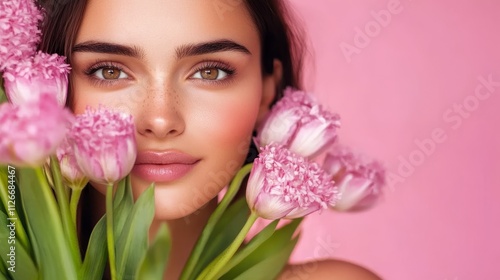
285	183
48	155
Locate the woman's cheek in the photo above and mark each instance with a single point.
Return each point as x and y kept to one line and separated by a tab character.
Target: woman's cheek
86	95
231	124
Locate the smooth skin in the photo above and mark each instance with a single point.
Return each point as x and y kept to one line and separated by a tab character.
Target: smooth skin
193	82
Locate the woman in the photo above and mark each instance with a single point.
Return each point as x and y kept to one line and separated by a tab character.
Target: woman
198	76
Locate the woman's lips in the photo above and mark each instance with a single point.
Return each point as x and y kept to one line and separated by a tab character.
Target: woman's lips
161	172
163	166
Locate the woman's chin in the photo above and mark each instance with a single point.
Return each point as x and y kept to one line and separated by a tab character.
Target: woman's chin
177	200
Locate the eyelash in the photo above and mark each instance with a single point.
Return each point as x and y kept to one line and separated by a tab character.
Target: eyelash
217	65
90	72
100	65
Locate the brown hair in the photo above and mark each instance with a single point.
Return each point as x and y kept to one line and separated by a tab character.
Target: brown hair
280	39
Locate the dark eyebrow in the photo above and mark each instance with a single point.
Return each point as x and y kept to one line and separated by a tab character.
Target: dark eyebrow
109	48
209	47
182	51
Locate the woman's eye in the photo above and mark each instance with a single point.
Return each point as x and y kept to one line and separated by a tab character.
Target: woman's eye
110	73
210	74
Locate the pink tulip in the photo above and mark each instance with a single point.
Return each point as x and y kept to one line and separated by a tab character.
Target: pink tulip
104	144
299	123
31	132
285	185
360	180
42	73
19	33
70	171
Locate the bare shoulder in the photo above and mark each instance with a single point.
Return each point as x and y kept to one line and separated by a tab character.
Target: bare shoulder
327	269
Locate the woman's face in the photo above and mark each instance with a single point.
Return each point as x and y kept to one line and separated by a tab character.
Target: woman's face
190	74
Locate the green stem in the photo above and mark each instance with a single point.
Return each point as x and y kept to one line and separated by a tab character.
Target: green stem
232	190
3	96
224	258
73	204
62	200
109	230
21	234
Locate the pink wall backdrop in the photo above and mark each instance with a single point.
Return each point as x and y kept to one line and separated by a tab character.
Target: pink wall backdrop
417	84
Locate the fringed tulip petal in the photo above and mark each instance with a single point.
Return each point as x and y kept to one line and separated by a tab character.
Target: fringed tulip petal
30	78
19	33
104	144
360	180
298	122
283	184
31	132
70	171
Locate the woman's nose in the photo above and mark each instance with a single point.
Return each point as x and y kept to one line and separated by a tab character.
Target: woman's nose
160	114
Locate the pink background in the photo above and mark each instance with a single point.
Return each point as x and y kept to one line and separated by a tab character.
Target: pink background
440	220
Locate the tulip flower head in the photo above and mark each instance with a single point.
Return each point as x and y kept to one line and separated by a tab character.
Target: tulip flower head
70	171
360	180
19	33
285	185
42	73
104	144
31	132
300	123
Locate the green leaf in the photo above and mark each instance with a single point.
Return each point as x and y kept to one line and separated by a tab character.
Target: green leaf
253	245
3	183
123	191
123	203
153	265
232	190
96	254
35	247
4	194
3	272
53	248
61	193
24	265
224	232
271	246
18	212
132	242
2	210
271	266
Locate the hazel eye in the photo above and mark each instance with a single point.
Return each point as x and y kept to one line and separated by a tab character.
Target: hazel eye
212	74
110	73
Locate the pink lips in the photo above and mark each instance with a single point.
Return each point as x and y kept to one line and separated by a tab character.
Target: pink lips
163	166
